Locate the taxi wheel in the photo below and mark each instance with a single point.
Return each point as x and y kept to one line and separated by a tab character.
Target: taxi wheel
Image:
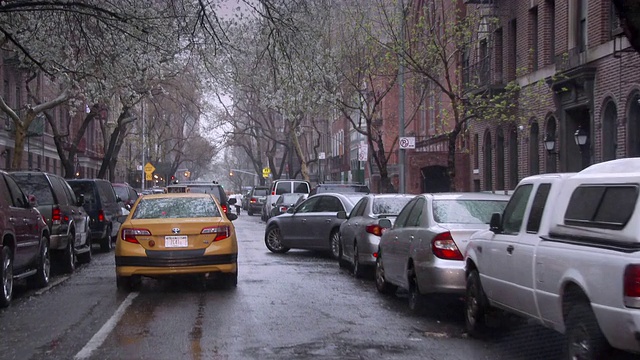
273	240
231	280
128	283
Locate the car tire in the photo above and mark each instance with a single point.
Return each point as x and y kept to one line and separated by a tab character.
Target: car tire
382	285
231	280
43	273
417	300
128	283
334	243
585	340
341	260
359	271
6	276
85	257
105	243
273	240
69	256
476	306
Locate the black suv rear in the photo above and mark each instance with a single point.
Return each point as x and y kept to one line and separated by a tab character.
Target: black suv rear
103	206
206	188
68	222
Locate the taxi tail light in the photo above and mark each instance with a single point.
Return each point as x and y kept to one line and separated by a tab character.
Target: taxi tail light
224	208
374	229
221	232
632	286
101	215
129	235
56	216
444	247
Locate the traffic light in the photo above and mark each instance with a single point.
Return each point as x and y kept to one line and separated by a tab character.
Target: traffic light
230	173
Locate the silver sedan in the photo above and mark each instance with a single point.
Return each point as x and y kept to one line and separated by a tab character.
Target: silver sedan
423	252
311	225
360	233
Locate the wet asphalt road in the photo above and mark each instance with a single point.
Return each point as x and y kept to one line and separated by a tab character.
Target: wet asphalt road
298	305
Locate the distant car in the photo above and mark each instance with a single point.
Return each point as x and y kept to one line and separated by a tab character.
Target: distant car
205	187
279	187
360	233
127	194
423	252
286	202
24	250
257	198
103	206
70	235
311	225
177	234
340	188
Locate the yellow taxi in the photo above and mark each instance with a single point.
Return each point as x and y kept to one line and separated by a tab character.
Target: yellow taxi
177	234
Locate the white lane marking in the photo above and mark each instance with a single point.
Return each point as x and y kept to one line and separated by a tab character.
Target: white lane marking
104	331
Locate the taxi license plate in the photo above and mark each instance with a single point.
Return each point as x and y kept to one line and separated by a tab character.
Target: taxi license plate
176	241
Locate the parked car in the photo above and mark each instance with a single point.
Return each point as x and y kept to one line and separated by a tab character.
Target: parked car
340	188
257	198
361	231
279	187
205	187
24	249
177	234
70	236
312	225
127	194
285	202
245	200
103	206
423	252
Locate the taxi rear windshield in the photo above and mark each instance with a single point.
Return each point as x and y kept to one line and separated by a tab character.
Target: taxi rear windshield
161	208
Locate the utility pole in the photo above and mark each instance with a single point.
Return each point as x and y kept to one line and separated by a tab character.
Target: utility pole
401	152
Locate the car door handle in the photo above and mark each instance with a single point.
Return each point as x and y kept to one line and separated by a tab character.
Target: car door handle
411	238
304	220
12	219
327	220
510	249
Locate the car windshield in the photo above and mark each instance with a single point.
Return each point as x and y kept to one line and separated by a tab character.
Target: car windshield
466	211
389	205
175	207
122	192
36	185
260	192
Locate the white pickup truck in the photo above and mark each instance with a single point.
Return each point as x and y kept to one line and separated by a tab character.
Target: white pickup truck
566	253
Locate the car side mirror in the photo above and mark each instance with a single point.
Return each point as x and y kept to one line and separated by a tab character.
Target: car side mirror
232	216
495	224
384	223
118	199
341	215
127	206
80	200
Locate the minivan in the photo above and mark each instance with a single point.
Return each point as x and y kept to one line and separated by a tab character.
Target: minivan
103	206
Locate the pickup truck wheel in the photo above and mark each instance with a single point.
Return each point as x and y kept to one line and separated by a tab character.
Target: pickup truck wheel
6	276
69	255
476	305
382	285
584	338
41	278
273	240
334	243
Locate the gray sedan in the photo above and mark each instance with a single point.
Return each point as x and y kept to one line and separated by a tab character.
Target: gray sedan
312	225
423	252
360	233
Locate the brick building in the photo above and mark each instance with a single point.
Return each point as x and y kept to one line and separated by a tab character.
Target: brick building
578	83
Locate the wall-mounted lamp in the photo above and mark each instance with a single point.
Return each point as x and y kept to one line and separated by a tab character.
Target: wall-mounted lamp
4	153
580	137
549	143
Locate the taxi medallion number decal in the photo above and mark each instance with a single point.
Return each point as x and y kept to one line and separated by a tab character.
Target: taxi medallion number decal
176	241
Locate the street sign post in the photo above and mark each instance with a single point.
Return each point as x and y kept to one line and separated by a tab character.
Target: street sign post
148	171
408	142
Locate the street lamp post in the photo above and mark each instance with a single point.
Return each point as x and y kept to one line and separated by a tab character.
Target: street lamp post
245	172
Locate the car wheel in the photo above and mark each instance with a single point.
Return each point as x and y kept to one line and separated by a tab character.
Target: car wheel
342	262
69	256
334	243
43	273
584	338
476	305
231	280
7	277
381	283
358	270
417	300
128	283
273	240
85	257
105	243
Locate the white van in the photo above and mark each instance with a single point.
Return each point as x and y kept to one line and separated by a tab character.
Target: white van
279	187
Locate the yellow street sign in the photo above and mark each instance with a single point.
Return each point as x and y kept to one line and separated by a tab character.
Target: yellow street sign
148	176
149	169
265	172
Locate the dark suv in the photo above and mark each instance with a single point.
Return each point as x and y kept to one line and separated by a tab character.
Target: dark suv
257	199
24	248
127	194
340	188
207	188
68	222
103	206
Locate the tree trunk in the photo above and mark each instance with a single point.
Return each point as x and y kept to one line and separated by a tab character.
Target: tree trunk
304	170
20	136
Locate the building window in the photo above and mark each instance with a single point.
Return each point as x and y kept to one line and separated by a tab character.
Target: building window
551	9
609	132
533	17
488	162
614	22
500	159
581	23
513	49
534	149
476	149
513	157
498	56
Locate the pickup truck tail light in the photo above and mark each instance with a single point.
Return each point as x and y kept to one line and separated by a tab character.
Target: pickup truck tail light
129	235
632	286
444	247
